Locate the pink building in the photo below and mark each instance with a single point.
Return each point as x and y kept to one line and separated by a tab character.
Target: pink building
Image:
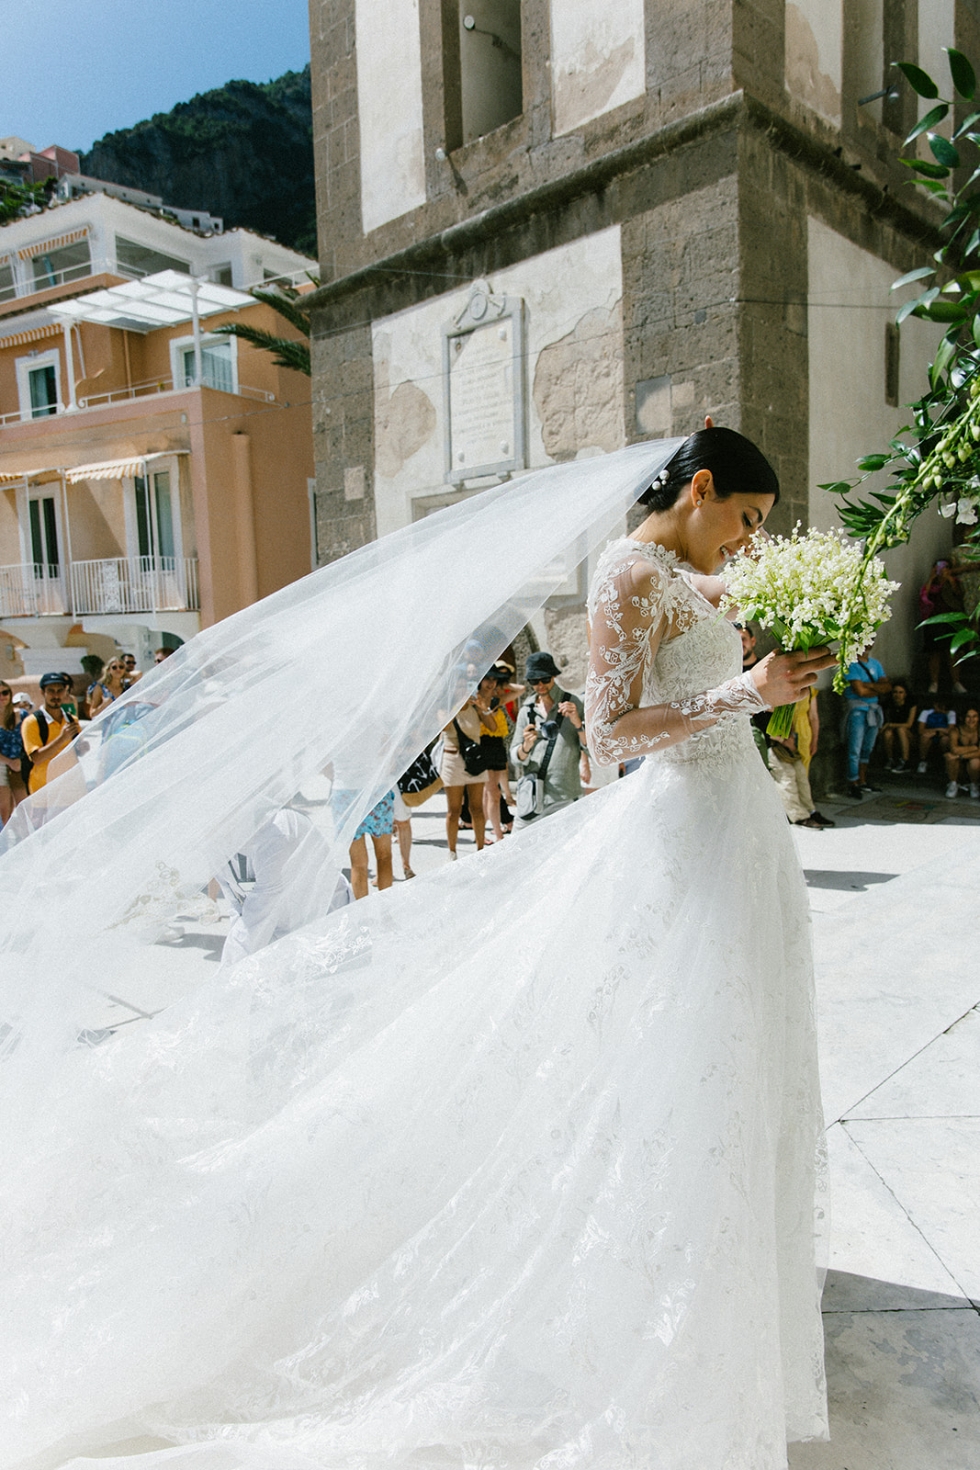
154	475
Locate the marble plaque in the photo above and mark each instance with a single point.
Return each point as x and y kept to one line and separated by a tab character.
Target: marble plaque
484	387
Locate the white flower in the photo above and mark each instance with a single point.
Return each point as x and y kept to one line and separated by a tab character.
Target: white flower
948	510
803	587
966	512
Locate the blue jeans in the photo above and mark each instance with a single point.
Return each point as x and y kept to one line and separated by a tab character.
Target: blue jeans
860	738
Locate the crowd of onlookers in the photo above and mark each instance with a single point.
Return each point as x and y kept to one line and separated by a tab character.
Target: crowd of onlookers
512	753
915	732
32	735
517	751
885	726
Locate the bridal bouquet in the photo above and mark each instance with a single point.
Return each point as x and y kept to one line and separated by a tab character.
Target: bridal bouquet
811	591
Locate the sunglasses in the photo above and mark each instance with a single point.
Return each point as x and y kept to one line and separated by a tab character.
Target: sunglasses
542	681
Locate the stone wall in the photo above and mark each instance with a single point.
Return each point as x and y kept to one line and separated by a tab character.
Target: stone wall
746	137
343	441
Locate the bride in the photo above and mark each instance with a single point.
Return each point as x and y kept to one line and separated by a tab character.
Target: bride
379	1197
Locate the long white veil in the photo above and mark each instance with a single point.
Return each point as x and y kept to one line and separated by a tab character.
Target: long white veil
355	667
351	1201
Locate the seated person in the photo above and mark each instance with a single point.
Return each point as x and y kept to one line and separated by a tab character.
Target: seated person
900	711
934	725
963	756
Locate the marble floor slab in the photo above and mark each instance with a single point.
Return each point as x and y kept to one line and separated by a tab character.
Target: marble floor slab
932	1167
880	1000
942	1080
871	1235
844	860
167	972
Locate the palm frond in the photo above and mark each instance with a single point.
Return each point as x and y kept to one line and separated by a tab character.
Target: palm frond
286	304
288	354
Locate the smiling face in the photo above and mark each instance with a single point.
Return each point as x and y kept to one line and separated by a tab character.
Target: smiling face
717	528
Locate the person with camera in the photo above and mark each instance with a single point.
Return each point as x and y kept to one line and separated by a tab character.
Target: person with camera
549	746
48	731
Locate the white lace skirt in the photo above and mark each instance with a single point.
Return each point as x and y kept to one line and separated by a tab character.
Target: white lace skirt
510	1167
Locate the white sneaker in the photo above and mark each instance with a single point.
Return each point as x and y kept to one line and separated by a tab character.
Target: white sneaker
959	688
952	790
454	857
922	767
975	791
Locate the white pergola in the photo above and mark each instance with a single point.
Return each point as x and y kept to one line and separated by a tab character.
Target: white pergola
162	300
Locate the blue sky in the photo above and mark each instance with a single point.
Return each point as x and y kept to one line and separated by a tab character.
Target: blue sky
75	69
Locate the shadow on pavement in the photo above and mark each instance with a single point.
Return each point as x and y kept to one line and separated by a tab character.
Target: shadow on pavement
903	1378
213	943
853	882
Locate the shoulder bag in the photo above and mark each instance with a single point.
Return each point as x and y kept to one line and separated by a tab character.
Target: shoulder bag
474	756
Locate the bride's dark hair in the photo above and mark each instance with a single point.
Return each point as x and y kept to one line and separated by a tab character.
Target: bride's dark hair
737	468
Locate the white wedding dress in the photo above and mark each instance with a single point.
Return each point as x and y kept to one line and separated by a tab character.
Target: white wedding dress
519	1173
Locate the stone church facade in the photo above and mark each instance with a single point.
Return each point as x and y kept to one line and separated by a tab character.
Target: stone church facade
550	228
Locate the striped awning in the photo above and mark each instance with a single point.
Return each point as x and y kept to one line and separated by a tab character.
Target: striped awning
8	476
45	246
35	334
118	469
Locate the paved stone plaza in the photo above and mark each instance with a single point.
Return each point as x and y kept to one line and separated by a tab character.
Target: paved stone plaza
895	894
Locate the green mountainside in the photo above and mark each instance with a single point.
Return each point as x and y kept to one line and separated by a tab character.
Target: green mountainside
243	151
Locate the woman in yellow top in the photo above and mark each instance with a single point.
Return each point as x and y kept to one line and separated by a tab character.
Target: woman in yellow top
495	738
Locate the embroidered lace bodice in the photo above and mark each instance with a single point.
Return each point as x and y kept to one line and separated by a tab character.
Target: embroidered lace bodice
659	646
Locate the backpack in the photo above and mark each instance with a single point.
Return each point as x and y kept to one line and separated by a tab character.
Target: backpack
26	764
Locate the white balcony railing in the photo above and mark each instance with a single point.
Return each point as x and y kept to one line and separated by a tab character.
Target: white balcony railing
121	395
31	590
151	387
166	385
133	584
29	284
125	584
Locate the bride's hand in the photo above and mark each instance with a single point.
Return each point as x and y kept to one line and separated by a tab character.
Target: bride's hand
783	678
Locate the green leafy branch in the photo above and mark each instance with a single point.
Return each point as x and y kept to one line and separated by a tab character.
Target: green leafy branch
940	457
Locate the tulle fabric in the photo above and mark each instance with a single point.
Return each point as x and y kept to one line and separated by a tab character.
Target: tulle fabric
352	671
510	1167
519	1171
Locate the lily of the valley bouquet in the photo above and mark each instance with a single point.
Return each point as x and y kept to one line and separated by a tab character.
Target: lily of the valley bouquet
811	591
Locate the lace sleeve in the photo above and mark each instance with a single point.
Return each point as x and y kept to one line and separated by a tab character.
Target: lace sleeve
631	608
